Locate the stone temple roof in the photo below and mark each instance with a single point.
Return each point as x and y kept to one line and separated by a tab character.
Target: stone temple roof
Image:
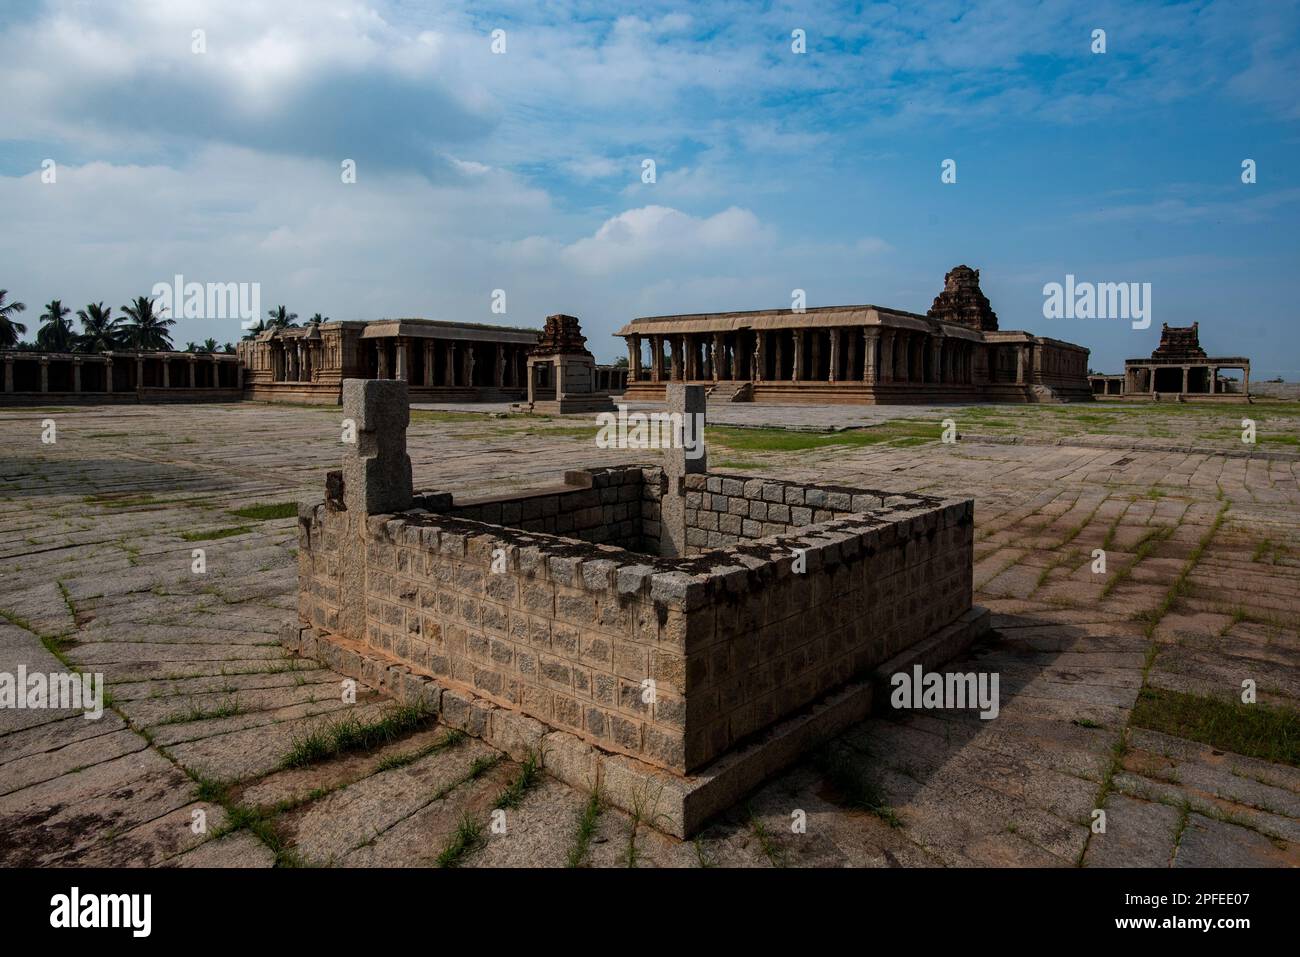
962	301
1179	342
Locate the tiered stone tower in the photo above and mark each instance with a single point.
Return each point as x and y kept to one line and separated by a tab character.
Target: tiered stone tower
962	301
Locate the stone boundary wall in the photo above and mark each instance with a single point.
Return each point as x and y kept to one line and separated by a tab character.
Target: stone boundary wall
724	510
617	506
572	632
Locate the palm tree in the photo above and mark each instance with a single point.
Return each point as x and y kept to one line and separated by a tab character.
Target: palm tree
252	331
55	334
317	318
147	330
281	318
191	347
209	345
100	331
228	348
10	331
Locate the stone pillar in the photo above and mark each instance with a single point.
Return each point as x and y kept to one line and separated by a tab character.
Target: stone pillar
44	363
885	369
832	370
499	367
634	356
193	366
779	336
852	335
656	358
1151	379
798	354
1020	365
468	371
757	372
449	356
687	456
1214	378
870	339
9	373
936	359
428	362
166	367
381	347
716	357
76	375
375	480
403	373
1186	370
216	373
814	372
675	358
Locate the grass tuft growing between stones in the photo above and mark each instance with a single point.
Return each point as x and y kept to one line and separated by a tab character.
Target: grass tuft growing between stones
450	738
263	513
850	779
586	830
1254	730
215	533
468	838
227	709
530	774
343	735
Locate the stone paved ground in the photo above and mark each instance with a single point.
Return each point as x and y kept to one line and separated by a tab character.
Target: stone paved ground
1200	592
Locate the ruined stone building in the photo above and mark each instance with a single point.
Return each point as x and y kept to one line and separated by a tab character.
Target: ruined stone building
440	361
1178	368
110	377
858	354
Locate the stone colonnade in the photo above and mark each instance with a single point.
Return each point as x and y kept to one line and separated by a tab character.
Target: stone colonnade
450	362
869	354
1186	378
98	373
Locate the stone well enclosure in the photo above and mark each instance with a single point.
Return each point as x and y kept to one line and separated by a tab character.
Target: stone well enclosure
667	634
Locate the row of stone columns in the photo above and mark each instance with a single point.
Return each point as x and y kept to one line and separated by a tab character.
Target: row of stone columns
293	360
458	362
1131	378
77	363
889	355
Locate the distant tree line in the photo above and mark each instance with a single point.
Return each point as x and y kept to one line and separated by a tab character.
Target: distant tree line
139	328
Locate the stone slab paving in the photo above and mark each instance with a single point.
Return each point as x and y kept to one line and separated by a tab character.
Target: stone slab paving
1200	591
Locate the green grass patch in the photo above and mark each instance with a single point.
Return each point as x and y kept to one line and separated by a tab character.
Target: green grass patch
118	500
913	431
433	415
343	735
214	533
1254	730
263	513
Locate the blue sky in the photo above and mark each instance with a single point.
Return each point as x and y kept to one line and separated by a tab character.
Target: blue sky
775	171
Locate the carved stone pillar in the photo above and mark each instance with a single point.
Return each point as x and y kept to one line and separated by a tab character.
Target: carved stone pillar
403	373
870	342
798	354
832	370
